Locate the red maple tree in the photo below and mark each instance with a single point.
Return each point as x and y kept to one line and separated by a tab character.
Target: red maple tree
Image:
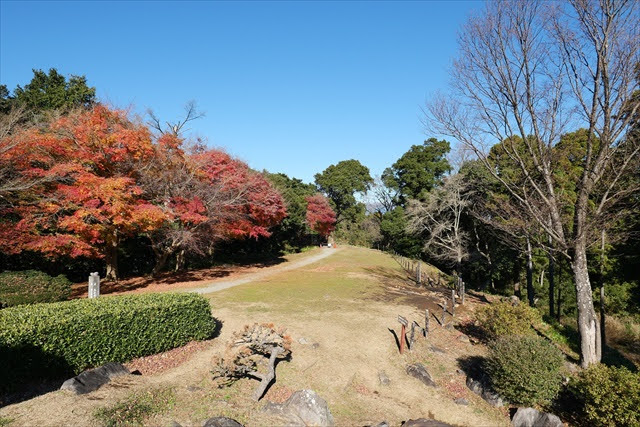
87	199
321	218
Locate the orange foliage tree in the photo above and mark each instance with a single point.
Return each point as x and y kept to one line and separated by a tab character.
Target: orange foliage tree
87	199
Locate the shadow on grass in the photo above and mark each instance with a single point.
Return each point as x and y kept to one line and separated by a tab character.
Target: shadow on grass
474	331
170	277
28	371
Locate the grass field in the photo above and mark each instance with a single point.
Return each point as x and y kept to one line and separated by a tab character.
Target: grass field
340	312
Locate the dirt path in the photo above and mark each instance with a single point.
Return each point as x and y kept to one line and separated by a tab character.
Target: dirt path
226	284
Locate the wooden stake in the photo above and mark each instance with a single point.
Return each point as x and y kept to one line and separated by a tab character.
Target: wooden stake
453	303
444	311
426	323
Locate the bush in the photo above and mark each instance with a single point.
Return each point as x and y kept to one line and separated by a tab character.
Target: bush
31	286
607	396
525	369
504	318
135	409
58	338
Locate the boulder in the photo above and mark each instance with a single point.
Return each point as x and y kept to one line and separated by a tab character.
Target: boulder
463	338
492	398
384	379
425	422
461	401
303	408
417	370
475	386
529	417
93	379
221	422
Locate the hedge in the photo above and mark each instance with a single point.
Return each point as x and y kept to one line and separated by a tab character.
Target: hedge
607	396
525	369
42	340
31	286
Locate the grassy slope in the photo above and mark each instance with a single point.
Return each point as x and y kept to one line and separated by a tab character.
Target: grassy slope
345	304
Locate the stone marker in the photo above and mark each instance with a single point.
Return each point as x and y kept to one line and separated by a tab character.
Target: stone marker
417	370
529	417
303	408
92	379
221	422
94	285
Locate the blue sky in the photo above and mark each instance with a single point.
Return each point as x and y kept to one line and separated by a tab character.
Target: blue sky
286	86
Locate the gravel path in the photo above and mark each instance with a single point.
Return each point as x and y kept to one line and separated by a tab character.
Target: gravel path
225	284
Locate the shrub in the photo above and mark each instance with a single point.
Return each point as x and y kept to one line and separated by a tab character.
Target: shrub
504	318
135	409
31	286
607	396
63	337
525	369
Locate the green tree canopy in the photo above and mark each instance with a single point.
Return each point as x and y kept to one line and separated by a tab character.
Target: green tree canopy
340	183
419	170
50	91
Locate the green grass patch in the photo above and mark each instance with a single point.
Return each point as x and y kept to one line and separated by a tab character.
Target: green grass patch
344	276
137	408
4	421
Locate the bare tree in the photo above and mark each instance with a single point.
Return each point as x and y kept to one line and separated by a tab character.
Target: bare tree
439	220
535	70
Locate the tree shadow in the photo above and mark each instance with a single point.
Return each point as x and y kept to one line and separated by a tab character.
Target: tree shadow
474	331
28	371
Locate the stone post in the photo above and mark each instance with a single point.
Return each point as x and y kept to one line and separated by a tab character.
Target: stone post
94	285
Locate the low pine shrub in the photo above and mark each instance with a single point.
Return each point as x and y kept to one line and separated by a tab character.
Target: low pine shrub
607	396
504	318
42	340
31	286
525	369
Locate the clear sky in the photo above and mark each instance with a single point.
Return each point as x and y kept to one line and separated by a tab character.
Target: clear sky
286	86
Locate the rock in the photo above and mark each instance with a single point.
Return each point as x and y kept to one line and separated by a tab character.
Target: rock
384	379
193	388
475	386
417	370
461	401
92	379
425	422
382	424
175	424
303	408
529	417
514	300
437	350
463	338
303	341
492	398
315	345
221	422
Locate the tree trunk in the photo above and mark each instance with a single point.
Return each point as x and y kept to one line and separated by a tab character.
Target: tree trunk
161	261
180	260
603	341
111	259
551	283
530	291
588	326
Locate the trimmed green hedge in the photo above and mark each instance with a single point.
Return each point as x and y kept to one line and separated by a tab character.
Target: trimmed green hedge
58	338
525	369
31	286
